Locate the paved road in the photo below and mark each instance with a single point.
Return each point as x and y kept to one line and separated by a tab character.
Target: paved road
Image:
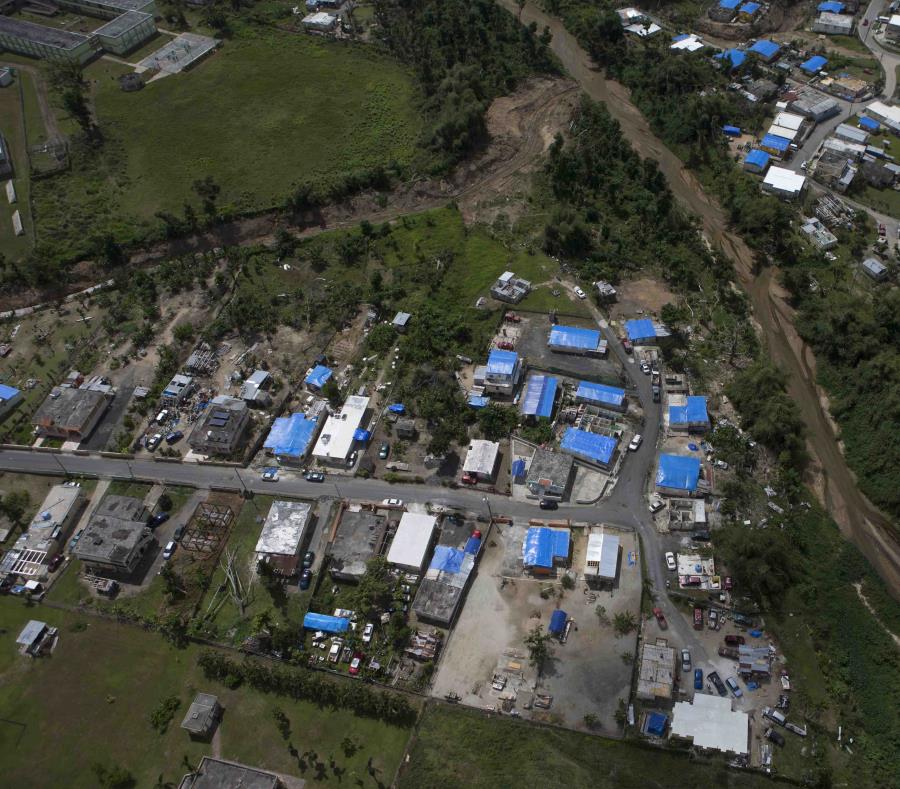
889	60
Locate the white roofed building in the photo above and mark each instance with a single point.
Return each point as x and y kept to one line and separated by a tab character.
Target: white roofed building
601	560
481	459
282	535
338	435
784	183
709	722
887	114
412	542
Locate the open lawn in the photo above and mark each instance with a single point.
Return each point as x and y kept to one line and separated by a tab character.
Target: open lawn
296	108
456	747
887	201
13	131
93	699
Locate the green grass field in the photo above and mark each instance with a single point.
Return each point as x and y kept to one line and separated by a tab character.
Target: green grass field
91	702
265	112
455	747
887	201
13	131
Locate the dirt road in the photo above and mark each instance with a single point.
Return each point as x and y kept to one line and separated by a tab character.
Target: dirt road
859	520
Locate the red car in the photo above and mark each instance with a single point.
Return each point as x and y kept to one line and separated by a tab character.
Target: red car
469	479
512	317
356	663
660	618
505	345
55	562
729	583
698	618
734	641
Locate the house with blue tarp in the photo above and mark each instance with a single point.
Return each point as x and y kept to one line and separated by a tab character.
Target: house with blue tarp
724	10
766	50
610	397
655	724
830	6
539	396
677	475
574	339
732	131
545	548
478	401
814	65
317	377
291	437
10	397
589	446
691	416
775	145
640	331
325	623
444	584
734	57
503	371
869	124
748	11
756	161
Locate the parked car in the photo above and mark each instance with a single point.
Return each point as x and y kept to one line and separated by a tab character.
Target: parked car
721	464
775	737
384	451
656	394
179	533
729	583
308	560
579	292
174	437
670	560
685	660
701	536
74	541
626	344
351	461
698	679
55	562
698	618
743	620
393	502
635	443
713	618
169	549
469	479
153	441
548	504
656	503
729	652
270	475
158	520
162	416
505	345
314	476
734	641
368	630
716	680
305	579
734	687
355	664
645	368
661	619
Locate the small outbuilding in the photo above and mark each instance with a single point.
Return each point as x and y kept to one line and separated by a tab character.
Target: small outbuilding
202	716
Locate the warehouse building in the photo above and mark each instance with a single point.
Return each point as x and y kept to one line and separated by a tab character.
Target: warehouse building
590	447
283	534
339	434
784	183
360	537
709	722
677	475
222	428
539	396
643	331
412	542
833	24
608	397
549	474
543	549
601	560
126	32
815	106
481	459
291	438
688	414
572	339
848	133
116	538
45	43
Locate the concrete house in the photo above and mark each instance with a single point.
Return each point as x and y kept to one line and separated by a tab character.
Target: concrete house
222	428
202	716
549	474
510	288
283	536
116	538
481	459
70	414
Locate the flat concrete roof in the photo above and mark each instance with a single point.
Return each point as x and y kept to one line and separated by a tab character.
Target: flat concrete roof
284	528
336	438
38	34
359	537
218	774
711	723
657	672
115	529
70	409
553	466
122	24
412	539
481	457
201	714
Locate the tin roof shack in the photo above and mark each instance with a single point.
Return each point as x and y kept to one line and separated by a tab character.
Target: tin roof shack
686	514
543	549
481	459
405	428
643	331
412	542
401	321
202	716
874	269
442	589
510	288
283	534
215	773
601	561
338	436
360	537
656	677
36	638
222	428
320	22
116	538
549	474
70	414
709	722
254	390
755	661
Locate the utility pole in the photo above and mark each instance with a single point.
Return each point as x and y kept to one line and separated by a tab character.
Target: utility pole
490	512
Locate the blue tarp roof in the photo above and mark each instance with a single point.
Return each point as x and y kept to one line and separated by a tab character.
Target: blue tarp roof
447	559
472	545
318	376
8	392
735	56
830	6
765	48
600	393
729	3
733	130
694	413
478	401
290	436
758	158
814	64
775	142
518	468
749	8
502	362
558	621
361	435
680	37
397	408
330	624
574	337
656	724
540	392
869	124
640	329
678	472
543	545
588	445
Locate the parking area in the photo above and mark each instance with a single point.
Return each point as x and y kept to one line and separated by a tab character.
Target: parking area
486	661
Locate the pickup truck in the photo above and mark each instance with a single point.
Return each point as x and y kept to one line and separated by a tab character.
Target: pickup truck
661	619
716	680
729	652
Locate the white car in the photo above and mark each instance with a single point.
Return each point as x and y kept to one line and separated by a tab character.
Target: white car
656	504
670	560
368	630
635	442
393	502
579	292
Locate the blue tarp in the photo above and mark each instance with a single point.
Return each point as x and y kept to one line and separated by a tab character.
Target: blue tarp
558	621
600	393
330	624
574	337
472	545
590	446
290	436
640	329
361	435
732	131
749	8
678	472
757	158
734	56
869	124
397	408
540	393
767	49
447	559
8	392
730	4
478	401
518	468
814	64
318	376
543	545
693	413
680	37
502	362
656	724
776	143
830	6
